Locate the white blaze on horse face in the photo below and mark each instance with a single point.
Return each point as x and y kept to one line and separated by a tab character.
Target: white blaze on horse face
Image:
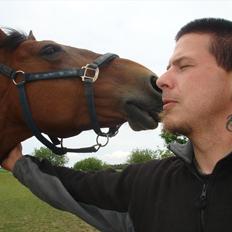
199	88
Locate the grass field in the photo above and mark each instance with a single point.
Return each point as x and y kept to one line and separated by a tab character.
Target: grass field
20	211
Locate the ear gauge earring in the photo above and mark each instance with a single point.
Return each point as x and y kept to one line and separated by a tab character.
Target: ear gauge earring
229	123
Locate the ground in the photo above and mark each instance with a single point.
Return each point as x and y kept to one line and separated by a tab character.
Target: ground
21	211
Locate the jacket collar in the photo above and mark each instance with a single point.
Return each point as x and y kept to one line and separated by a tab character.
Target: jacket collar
183	151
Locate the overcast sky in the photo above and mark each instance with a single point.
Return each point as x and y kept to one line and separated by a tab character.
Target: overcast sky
142	31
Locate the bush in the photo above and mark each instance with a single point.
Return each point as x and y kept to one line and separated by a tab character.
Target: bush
90	164
169	137
45	153
140	156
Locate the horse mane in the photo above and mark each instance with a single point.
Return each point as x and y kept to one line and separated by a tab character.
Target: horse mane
13	39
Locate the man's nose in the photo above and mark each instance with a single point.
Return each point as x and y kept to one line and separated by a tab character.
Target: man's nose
161	81
164	81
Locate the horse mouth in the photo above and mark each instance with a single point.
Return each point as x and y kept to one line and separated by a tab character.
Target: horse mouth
141	118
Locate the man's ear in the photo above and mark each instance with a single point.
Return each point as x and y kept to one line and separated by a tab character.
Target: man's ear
2	35
31	36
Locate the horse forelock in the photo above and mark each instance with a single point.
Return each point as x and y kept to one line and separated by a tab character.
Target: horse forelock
13	39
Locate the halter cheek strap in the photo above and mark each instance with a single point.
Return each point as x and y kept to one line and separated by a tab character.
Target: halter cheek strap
20	78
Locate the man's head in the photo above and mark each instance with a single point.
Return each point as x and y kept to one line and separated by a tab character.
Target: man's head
197	86
220	31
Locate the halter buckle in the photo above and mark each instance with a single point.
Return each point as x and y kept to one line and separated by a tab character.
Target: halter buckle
90	73
19	74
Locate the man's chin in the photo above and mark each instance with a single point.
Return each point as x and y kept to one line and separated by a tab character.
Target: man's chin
174	126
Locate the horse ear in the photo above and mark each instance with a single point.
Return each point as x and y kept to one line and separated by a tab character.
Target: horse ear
31	36
2	34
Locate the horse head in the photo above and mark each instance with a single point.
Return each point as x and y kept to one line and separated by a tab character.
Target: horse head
124	91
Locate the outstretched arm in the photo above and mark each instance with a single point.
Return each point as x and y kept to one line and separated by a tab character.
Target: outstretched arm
61	187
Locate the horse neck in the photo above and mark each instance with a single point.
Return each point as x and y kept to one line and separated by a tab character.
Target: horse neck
11	132
4	81
4	86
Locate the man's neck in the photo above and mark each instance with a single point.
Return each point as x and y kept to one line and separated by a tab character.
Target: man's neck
211	146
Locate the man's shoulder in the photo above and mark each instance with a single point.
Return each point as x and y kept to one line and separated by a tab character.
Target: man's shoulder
159	166
165	164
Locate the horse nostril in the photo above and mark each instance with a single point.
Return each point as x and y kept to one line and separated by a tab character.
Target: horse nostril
153	83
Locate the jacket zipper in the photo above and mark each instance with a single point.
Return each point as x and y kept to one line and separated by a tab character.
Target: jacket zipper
203	198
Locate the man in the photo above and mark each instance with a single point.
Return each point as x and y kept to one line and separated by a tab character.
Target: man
187	193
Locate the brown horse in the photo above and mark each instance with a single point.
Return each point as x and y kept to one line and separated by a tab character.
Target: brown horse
124	91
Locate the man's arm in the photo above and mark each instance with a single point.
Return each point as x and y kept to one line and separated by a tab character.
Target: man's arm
106	189
87	195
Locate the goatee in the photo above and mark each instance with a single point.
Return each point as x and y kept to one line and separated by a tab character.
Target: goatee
174	126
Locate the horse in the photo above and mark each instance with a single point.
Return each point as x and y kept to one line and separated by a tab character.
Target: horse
45	87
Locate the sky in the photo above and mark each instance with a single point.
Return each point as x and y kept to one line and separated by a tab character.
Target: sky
141	30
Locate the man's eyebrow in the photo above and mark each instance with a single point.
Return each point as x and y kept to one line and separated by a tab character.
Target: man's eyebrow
179	60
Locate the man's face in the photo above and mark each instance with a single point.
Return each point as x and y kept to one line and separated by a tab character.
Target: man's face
196	91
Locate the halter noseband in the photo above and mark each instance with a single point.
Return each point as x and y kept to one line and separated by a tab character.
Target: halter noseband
88	74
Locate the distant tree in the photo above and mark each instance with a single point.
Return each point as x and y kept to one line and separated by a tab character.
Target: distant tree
144	155
90	164
140	156
162	153
45	153
169	137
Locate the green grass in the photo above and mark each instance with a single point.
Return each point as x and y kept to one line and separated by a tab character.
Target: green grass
21	211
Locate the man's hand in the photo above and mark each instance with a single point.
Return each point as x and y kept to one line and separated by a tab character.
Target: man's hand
12	158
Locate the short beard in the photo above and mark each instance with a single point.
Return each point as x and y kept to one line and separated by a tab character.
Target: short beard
174	127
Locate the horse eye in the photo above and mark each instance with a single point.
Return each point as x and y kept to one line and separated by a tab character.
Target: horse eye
50	51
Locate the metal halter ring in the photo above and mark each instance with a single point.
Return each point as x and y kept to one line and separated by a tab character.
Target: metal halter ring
89	68
104	144
17	74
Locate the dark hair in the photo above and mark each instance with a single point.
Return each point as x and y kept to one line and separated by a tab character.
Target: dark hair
221	43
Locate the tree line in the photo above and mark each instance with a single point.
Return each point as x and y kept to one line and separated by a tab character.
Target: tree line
93	164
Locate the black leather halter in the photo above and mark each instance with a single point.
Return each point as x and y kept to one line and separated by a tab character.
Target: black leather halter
88	75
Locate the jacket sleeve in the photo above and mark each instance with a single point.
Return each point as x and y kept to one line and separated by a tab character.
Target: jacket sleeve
100	198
